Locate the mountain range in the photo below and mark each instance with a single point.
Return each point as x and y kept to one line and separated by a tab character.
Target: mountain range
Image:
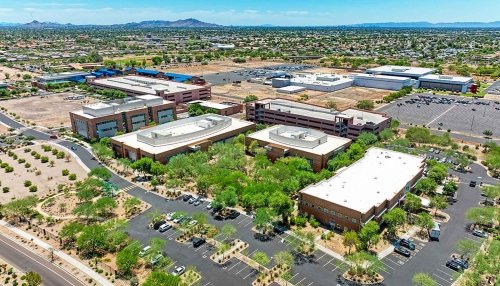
194	23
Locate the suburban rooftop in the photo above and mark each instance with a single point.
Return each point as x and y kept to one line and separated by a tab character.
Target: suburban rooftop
370	181
120	105
145	84
401	70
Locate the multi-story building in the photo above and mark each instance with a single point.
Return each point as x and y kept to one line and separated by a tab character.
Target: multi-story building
382	81
182	136
224	108
348	123
105	119
411	72
363	191
141	85
445	82
282	141
57	78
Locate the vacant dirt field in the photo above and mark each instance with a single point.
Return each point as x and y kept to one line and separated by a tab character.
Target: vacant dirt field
348	97
13	72
216	66
3	129
48	111
48	177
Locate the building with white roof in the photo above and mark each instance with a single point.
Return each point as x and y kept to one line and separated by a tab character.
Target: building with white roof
363	191
321	82
105	119
140	85
445	82
315	146
411	72
184	135
381	81
224	108
347	123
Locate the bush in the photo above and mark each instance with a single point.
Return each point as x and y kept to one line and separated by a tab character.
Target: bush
300	221
37	156
44	159
21	161
72	177
9	169
313	222
33	153
33	188
4	165
65	172
60	155
27	150
54	152
5	189
27	183
27	165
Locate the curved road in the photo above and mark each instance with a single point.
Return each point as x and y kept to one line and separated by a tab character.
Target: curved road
25	260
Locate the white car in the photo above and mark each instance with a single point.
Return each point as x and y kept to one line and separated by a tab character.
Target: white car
144	251
209	206
193	222
170	216
164	227
179	270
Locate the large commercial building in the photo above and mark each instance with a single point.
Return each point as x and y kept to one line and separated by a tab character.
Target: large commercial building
411	72
445	82
55	78
104	119
382	81
224	108
140	85
315	146
184	135
364	191
348	123
318	81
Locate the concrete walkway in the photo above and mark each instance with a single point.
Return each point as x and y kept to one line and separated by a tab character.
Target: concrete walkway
72	261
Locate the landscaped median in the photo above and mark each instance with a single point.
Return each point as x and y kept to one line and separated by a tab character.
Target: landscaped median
226	251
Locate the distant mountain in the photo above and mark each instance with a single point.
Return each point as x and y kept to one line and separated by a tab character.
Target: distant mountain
186	23
428	25
36	24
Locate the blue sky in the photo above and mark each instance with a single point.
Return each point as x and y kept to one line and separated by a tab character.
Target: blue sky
251	12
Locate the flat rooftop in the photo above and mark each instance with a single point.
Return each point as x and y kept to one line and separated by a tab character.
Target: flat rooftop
180	133
145	85
319	79
380	77
303	139
210	104
370	181
120	105
293	107
446	79
401	70
62	75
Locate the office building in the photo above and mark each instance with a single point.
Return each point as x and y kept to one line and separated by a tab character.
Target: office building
315	146
57	78
363	191
411	72
445	82
382	81
348	123
140	85
105	119
181	136
224	108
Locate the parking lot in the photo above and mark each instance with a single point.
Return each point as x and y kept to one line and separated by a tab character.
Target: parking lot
469	116
245	74
494	88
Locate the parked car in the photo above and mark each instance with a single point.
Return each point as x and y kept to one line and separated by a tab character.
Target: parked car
197	241
462	263
233	214
186	197
279	229
73	148
164	227
407	243
472	184
192	200
179	270
144	251
170	216
197	202
193	222
155	259
178	219
402	251
209	206
479	233
157	224
453	265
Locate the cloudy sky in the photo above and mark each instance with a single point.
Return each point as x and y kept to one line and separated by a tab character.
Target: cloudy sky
251	12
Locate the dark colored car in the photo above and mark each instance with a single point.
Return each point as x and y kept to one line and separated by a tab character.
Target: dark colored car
279	229
407	243
197	241
453	265
157	225
233	214
472	184
462	263
402	251
186	197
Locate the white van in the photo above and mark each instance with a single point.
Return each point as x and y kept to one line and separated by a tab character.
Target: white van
144	251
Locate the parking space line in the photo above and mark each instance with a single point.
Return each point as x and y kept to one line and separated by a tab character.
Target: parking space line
251	272
298	283
244	218
310	284
234	265
246	266
207	284
249	223
392	261
440	278
319	258
445	273
294	276
328	262
388	265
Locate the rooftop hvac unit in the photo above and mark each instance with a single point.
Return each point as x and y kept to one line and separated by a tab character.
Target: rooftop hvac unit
399	69
445	77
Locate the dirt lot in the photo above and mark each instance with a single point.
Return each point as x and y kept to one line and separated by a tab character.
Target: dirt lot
216	66
48	179
13	72
3	129
47	111
348	97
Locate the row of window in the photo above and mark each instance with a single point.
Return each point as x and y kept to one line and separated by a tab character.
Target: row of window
327	211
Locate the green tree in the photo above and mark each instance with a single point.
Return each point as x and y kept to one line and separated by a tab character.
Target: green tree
438	203
227	231
85	210
263	219
101	173
261	258
491	192
128	258
467	248
103	206
350	240
426	185
412	203
423	279
418	135
482	215
369	235
365	104
92	241
250	98
282	205
331	104
366	138
450	188
226	198
130	204
424	221
394	219
362	263
21	208
284	258
33	278
142	165
69	231
161	278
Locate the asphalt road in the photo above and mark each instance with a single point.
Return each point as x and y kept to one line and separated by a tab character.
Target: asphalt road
25	260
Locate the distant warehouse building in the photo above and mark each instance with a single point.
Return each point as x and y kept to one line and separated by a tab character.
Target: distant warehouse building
57	78
315	146
348	123
445	82
363	191
382	81
169	90
411	72
321	82
105	119
182	136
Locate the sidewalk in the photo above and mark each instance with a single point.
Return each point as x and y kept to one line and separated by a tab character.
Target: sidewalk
83	268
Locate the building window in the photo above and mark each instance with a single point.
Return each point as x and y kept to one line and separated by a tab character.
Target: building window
353	220
325	210
332	213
